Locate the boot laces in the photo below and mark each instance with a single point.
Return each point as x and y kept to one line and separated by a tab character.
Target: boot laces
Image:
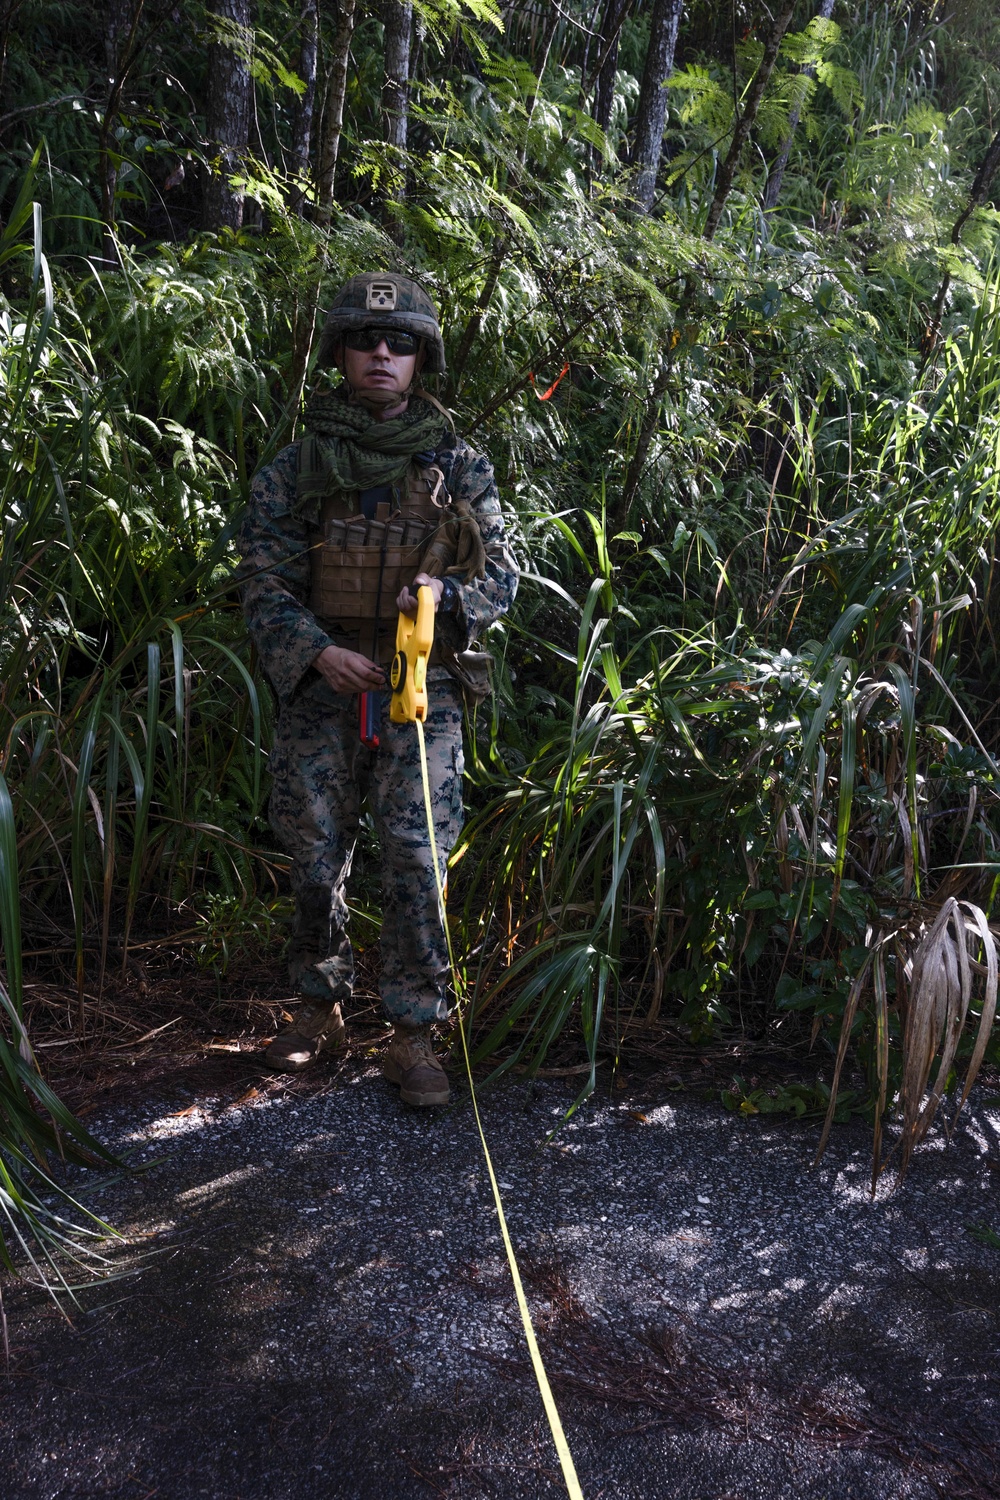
419	1046
315	1018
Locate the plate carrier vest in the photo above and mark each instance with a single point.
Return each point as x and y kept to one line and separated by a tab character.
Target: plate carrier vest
359	566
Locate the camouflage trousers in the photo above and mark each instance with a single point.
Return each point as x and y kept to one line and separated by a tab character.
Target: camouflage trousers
322	776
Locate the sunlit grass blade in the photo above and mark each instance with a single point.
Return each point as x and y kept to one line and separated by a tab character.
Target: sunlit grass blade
143	784
80	865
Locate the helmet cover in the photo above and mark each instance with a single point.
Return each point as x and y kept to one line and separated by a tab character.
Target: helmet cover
381	299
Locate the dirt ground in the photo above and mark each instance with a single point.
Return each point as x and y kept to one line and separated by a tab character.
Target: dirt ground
320	1305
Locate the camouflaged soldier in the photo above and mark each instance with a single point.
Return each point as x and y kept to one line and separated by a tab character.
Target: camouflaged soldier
380	497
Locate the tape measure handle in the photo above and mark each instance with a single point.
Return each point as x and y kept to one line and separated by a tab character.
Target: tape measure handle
424	628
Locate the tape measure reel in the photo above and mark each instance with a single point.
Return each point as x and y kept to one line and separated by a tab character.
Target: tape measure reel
408	673
397	672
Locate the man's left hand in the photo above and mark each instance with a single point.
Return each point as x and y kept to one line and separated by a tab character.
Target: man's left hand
407	600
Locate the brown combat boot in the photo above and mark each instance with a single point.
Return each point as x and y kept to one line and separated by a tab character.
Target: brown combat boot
410	1062
317	1026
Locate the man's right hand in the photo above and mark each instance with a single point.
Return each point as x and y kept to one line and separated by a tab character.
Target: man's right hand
348	671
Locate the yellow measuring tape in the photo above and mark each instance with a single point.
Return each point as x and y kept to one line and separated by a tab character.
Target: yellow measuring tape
548	1400
416	640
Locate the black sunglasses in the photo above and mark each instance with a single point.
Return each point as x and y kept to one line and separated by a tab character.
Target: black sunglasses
366	339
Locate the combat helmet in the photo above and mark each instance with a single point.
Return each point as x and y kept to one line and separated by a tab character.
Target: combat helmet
381	299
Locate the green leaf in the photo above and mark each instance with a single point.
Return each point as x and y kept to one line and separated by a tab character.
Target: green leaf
10	898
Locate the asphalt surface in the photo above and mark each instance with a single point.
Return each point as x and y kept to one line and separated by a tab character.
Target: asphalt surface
324	1310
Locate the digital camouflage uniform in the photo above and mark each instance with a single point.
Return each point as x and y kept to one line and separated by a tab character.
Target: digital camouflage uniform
322	772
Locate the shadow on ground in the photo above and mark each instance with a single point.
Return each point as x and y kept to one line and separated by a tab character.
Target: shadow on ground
325	1312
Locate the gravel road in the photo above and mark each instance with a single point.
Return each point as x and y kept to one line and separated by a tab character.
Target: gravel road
325	1310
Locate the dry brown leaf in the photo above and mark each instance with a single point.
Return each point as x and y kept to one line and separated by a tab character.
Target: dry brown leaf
935	986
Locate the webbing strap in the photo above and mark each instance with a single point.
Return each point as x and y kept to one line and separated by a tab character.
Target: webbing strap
548	1400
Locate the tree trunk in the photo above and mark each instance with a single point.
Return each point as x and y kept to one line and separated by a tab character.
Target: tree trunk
612	21
307	102
593	34
398	20
651	114
227	122
398	29
772	191
329	150
333	113
744	123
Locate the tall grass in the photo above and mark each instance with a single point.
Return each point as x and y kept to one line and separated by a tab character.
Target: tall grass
131	725
709	814
116	686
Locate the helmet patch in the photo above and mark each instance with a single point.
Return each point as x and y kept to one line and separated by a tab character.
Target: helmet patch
381	296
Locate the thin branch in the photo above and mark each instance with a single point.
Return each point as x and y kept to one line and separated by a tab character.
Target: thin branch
605	54
574	22
30	109
109	174
745	122
977	197
524	378
333	113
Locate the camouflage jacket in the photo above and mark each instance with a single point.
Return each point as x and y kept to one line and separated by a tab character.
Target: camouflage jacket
274	540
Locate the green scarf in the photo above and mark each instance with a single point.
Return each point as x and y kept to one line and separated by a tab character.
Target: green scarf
362	454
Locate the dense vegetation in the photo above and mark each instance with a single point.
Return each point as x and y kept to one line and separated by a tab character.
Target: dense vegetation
738	370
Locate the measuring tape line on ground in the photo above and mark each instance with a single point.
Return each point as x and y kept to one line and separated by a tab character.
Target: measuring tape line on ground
548	1400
